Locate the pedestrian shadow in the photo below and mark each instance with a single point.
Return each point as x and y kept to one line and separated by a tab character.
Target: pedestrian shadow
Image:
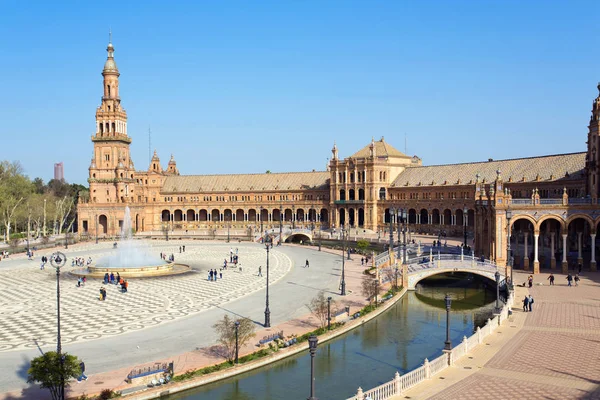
32	392
312	287
594	381
239	315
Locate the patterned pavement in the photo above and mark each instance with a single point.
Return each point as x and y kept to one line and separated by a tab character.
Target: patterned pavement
556	354
28	295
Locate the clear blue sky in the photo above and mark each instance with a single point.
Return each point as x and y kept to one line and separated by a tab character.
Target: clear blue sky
239	86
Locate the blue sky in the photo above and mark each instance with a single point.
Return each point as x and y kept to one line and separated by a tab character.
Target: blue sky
237	86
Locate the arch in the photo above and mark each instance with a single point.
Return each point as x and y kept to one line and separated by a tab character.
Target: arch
264	215
297	237
435	217
386	216
437	271
471	218
351	216
412	216
361	217
342	216
518	217
103	222
287	215
215	215
551	217
277	214
190	215
203	215
342	194
165	216
424	216
447	217
573	217
227	215
361	194
324	215
382	194
460	220
351	194
239	215
252	215
300	214
178	215
137	222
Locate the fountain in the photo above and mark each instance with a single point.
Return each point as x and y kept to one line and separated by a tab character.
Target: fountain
131	258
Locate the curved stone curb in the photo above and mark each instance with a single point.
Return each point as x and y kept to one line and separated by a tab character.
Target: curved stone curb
279	355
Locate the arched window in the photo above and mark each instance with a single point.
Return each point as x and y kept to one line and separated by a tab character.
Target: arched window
108	87
382	194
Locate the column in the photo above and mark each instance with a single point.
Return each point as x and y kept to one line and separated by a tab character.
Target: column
565	265
441	219
526	254
418	218
536	263
579	248
593	262
429	218
552	259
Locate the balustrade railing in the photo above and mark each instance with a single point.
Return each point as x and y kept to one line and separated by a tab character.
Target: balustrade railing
401	383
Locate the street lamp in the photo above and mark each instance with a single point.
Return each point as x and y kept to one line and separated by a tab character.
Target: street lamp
312	348
404	229
508	249
396	276
96	228
227	233
329	313
320	229
58	260
267	311
281	224
261	220
293	217
343	284
392	211
448	343
237	347
465	214
66	238
497	276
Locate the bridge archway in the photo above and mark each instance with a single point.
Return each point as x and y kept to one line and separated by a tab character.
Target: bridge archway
297	237
414	279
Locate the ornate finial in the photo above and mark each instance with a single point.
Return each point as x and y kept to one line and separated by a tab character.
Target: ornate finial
109	36
498	173
477	176
598	88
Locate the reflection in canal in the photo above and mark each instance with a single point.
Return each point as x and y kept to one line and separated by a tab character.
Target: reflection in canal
368	356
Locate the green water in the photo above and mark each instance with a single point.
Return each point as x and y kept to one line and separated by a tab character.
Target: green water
398	340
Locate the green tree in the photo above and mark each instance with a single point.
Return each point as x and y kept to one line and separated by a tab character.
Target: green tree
225	329
363	245
48	371
370	288
15	188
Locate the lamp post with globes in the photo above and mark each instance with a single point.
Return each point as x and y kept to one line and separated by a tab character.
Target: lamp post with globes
281	224
261	220
96	228
404	229
391	213
293	217
343	283
312	348
508	249
58	260
448	343
465	216
237	347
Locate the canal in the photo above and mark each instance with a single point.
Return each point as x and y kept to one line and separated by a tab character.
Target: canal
397	340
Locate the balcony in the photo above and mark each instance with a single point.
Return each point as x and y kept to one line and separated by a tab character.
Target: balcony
349	202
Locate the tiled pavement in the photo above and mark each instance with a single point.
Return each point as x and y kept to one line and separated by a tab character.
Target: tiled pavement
28	297
551	353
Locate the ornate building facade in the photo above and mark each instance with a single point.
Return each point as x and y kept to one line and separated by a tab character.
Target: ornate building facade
549	202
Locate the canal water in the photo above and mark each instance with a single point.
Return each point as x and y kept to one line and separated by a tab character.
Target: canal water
398	340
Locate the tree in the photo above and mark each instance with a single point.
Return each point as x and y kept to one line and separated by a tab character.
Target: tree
363	245
392	274
370	288
14	189
225	329
318	307
48	371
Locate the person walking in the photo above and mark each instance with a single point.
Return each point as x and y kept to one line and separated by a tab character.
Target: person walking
576	279
525	303
551	279
82	376
579	266
530	281
569	280
530	302
260	270
307	265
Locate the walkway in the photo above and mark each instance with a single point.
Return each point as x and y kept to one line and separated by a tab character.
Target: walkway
552	353
190	338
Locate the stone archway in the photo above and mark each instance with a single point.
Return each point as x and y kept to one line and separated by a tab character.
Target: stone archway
190	215
103	222
165	216
522	230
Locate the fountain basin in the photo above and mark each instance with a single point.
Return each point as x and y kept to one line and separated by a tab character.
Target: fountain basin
98	271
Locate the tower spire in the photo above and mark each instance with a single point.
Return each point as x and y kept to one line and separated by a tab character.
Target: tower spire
109	36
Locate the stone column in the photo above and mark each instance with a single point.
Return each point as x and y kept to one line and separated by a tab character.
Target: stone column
552	259
536	262
441	219
429	219
593	262
579	248
564	265
525	254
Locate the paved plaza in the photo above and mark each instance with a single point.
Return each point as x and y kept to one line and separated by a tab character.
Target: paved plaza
550	353
28	304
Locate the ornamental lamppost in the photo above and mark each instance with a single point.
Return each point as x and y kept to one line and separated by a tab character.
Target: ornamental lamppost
497	276
66	238
237	347
465	215
343	283
404	229
267	311
96	228
391	212
293	217
320	230
448	343
312	348
508	249
227	233
261	220
58	260
329	313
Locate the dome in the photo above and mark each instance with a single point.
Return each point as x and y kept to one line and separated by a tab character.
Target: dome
110	65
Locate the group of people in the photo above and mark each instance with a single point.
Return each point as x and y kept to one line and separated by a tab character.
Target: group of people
80	261
171	258
212	275
527	303
116	280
